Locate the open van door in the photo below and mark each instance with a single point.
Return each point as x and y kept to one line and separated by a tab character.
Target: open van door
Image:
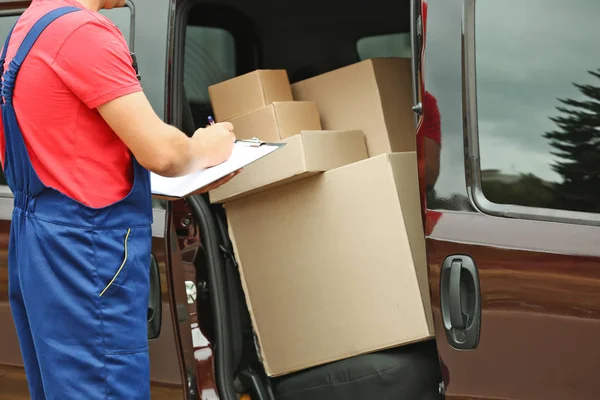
513	223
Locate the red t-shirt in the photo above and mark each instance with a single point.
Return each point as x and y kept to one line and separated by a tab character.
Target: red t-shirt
80	62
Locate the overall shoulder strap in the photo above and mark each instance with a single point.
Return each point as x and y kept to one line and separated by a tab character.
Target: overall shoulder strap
35	32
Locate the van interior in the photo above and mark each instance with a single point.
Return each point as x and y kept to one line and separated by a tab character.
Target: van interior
217	40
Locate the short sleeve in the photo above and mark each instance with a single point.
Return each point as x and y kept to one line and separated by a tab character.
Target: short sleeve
95	64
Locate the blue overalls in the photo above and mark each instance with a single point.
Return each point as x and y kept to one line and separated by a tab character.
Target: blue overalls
78	276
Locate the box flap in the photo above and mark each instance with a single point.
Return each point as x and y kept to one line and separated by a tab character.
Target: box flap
394	77
303	155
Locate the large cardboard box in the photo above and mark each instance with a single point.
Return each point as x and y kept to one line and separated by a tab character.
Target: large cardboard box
303	155
249	92
334	265
374	95
277	121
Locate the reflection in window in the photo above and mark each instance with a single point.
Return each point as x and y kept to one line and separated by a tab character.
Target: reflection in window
380	46
538	98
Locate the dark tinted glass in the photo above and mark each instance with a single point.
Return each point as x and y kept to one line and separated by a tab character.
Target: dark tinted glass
6	23
209	59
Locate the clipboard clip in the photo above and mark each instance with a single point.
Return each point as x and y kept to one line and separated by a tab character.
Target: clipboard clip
254	142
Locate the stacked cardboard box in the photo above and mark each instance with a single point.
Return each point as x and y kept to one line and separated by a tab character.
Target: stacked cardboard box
260	104
329	240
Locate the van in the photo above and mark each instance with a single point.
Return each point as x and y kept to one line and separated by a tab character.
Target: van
511	197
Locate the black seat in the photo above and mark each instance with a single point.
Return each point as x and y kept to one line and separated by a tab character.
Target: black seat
409	372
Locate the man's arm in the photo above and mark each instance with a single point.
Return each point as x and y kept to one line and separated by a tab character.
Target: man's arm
96	65
161	148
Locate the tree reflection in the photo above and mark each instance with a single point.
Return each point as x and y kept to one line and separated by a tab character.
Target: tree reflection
576	146
576	143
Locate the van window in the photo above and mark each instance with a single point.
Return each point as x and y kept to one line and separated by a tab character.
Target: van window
121	17
209	59
538	102
381	46
6	24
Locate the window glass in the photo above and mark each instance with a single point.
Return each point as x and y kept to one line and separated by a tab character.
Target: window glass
538	102
6	24
121	17
393	45
209	59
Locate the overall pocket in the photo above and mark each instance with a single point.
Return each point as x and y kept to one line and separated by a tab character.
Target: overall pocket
124	289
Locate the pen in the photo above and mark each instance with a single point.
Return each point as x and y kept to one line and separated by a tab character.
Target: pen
211	121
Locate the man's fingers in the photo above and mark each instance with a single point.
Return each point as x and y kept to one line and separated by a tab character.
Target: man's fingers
226	125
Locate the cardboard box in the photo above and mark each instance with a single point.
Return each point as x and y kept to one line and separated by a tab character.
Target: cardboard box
304	155
277	121
249	92
334	265
374	95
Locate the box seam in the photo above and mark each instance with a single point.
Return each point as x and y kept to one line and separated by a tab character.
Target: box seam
262	87
277	126
303	147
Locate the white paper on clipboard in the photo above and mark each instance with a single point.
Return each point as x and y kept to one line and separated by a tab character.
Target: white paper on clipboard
244	153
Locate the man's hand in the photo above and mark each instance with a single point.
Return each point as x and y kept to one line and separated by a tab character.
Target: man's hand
161	148
214	143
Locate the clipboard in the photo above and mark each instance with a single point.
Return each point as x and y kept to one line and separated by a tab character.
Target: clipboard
244	153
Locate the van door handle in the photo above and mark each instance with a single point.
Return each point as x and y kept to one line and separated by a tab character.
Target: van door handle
457	318
460	301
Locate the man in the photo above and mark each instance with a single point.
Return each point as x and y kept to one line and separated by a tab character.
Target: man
78	139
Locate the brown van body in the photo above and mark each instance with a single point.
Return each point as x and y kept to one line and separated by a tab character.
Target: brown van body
538	271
